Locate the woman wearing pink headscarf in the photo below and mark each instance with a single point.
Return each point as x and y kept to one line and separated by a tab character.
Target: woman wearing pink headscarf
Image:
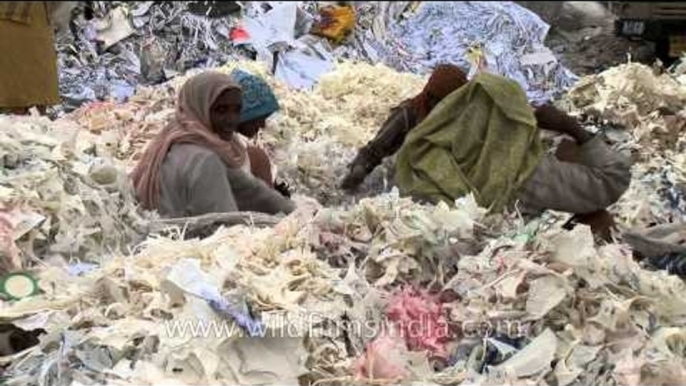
197	164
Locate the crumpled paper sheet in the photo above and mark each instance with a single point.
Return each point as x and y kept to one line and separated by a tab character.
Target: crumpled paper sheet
534	358
509	37
13	225
187	276
114	28
60	197
300	61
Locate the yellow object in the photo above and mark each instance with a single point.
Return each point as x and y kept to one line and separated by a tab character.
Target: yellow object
474	54
28	62
477	59
336	22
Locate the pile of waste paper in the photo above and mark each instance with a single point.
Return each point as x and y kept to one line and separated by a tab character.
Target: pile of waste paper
383	291
113	47
643	110
502	37
58	197
377	291
367	289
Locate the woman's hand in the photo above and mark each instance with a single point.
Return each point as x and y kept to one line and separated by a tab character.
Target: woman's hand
551	118
283	188
354	178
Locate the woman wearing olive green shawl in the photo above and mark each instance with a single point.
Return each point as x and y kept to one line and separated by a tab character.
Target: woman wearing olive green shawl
484	139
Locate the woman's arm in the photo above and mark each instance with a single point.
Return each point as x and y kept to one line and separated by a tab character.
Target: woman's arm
253	194
386	143
551	118
208	189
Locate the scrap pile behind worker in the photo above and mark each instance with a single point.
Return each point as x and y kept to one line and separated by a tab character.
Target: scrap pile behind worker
483	138
28	63
198	164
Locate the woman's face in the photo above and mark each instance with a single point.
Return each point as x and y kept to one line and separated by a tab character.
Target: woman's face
251	128
226	112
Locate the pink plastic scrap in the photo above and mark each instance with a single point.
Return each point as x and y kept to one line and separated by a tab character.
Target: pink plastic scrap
417	322
239	35
420	318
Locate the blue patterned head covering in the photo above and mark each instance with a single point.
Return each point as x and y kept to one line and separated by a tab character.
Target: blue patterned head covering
258	99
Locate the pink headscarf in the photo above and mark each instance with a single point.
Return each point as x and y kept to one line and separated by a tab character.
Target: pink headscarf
191	124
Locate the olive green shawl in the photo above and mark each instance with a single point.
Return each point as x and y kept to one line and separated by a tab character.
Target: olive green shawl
482	138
